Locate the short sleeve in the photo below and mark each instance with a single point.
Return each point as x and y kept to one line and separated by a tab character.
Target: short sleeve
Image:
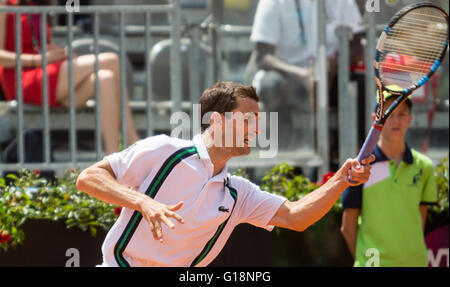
133	164
121	161
253	205
352	197
429	192
266	25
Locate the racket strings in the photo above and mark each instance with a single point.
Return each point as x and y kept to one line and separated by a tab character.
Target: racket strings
416	22
423	53
399	67
411	27
416	47
413	45
427	55
433	40
407	35
428	13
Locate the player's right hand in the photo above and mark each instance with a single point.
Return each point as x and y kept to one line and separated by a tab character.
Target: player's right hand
358	173
156	213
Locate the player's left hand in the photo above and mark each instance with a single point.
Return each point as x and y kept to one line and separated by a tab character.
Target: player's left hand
358	173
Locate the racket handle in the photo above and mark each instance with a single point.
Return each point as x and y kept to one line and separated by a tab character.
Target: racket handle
369	144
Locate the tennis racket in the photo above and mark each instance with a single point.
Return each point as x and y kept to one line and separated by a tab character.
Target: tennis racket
409	51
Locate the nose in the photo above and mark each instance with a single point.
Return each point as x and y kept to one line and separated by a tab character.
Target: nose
395	117
256	130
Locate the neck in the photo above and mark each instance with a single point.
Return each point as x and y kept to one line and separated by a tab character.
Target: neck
392	149
217	155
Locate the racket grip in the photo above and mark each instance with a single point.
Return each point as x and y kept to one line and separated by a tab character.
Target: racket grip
369	144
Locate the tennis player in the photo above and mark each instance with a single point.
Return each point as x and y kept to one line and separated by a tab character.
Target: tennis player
180	205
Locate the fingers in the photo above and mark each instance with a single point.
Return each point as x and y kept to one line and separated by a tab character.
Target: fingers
155	228
176	206
357	178
158	214
167	221
359	173
356	165
368	160
152	224
176	216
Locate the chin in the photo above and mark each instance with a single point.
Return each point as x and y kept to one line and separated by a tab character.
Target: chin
240	151
396	135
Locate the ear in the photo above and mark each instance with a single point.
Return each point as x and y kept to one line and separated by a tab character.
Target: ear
216	119
373	116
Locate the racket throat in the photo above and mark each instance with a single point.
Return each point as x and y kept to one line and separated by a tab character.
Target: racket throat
377	125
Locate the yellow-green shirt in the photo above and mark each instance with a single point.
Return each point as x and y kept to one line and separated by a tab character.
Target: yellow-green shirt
390	224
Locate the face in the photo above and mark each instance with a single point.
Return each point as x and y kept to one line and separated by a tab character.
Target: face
398	122
240	127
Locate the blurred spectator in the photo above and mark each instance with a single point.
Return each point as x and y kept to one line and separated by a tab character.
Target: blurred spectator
286	45
384	220
57	73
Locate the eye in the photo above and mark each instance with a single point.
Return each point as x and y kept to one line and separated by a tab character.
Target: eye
249	116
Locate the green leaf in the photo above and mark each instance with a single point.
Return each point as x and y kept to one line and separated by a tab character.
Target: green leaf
12	176
93	230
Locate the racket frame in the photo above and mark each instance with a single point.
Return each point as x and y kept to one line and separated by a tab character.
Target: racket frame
402	95
381	117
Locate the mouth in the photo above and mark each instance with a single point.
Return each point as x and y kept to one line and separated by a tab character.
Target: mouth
249	137
247	141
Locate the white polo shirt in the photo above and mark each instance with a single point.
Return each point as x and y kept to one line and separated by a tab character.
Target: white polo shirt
172	170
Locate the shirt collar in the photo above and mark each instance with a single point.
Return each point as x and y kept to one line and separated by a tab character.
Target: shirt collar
408	157
380	156
204	157
201	147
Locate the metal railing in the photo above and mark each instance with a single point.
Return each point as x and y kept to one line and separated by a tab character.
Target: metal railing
322	138
174	12
347	115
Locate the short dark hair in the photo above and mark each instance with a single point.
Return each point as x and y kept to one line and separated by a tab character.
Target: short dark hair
222	97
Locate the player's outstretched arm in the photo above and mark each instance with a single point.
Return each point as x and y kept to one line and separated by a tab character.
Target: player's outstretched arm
300	214
99	181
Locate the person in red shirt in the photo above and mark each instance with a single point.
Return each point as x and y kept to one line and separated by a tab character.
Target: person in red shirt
57	73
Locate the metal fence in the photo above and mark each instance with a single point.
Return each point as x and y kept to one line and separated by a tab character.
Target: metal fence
172	9
217	31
